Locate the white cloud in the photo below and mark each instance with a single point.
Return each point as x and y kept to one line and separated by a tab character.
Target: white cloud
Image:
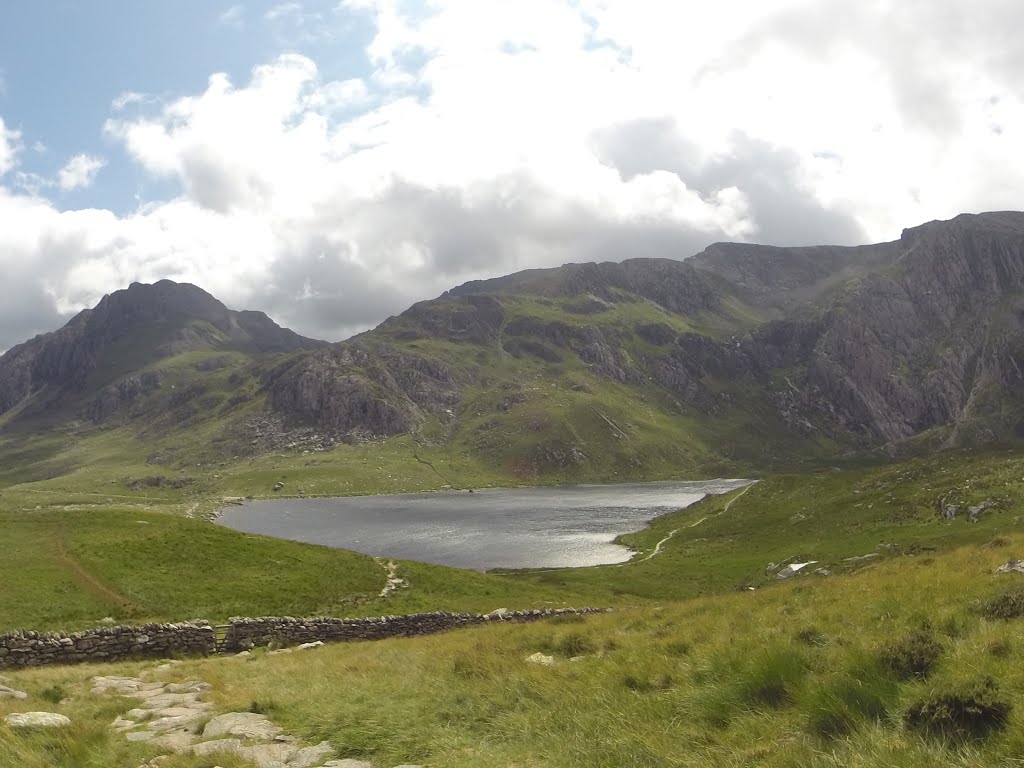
10	146
233	16
284	10
127	98
493	136
79	172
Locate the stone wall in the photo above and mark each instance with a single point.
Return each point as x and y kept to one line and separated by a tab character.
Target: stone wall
156	641
246	633
152	641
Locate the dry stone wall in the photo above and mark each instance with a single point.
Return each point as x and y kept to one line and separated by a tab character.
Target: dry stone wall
151	641
246	633
154	641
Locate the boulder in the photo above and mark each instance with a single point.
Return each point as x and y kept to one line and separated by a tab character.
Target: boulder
542	659
11	693
37	720
1014	566
244	725
793	569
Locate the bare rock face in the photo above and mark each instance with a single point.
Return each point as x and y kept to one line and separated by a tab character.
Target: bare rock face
127	330
863	347
349	387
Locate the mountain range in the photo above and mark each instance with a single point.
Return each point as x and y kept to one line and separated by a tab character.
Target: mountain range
740	356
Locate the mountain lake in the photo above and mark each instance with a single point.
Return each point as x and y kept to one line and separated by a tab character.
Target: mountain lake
542	527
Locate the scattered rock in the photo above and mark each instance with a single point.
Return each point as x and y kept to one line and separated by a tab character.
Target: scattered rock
309	757
822	572
973	513
500	613
123	724
542	659
11	693
278	486
268	755
861	558
243	655
193	686
347	762
217	747
37	720
1014	566
793	569
309	646
179	742
244	725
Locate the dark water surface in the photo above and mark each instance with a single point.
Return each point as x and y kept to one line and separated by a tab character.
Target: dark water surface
563	526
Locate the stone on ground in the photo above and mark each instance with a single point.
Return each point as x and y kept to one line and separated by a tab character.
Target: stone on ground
217	747
244	725
11	693
37	720
179	742
540	658
310	757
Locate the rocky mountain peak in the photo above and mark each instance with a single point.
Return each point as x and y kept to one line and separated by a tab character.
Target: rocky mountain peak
130	329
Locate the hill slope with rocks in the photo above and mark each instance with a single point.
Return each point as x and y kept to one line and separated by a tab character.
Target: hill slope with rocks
741	356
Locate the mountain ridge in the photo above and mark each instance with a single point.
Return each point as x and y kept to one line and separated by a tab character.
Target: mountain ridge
744	354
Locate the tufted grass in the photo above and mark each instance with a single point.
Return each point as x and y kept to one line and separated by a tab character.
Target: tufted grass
792	674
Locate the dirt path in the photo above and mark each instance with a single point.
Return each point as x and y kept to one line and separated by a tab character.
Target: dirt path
657	547
88	580
734	499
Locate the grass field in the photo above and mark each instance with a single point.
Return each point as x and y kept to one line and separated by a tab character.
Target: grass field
812	672
908	657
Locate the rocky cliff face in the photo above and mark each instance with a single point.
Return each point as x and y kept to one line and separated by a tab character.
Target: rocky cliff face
756	351
101	349
865	346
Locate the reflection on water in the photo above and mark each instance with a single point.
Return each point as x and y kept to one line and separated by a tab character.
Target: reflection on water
566	526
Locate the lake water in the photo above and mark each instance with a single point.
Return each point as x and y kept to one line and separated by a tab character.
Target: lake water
563	526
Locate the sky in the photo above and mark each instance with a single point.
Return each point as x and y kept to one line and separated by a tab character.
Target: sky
330	162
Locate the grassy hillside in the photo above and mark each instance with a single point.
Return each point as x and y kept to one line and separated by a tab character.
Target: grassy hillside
910	661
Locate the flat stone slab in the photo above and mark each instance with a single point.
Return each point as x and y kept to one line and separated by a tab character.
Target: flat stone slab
123	724
165	700
244	725
182	722
179	742
193	686
37	720
11	693
310	757
126	686
268	755
217	747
